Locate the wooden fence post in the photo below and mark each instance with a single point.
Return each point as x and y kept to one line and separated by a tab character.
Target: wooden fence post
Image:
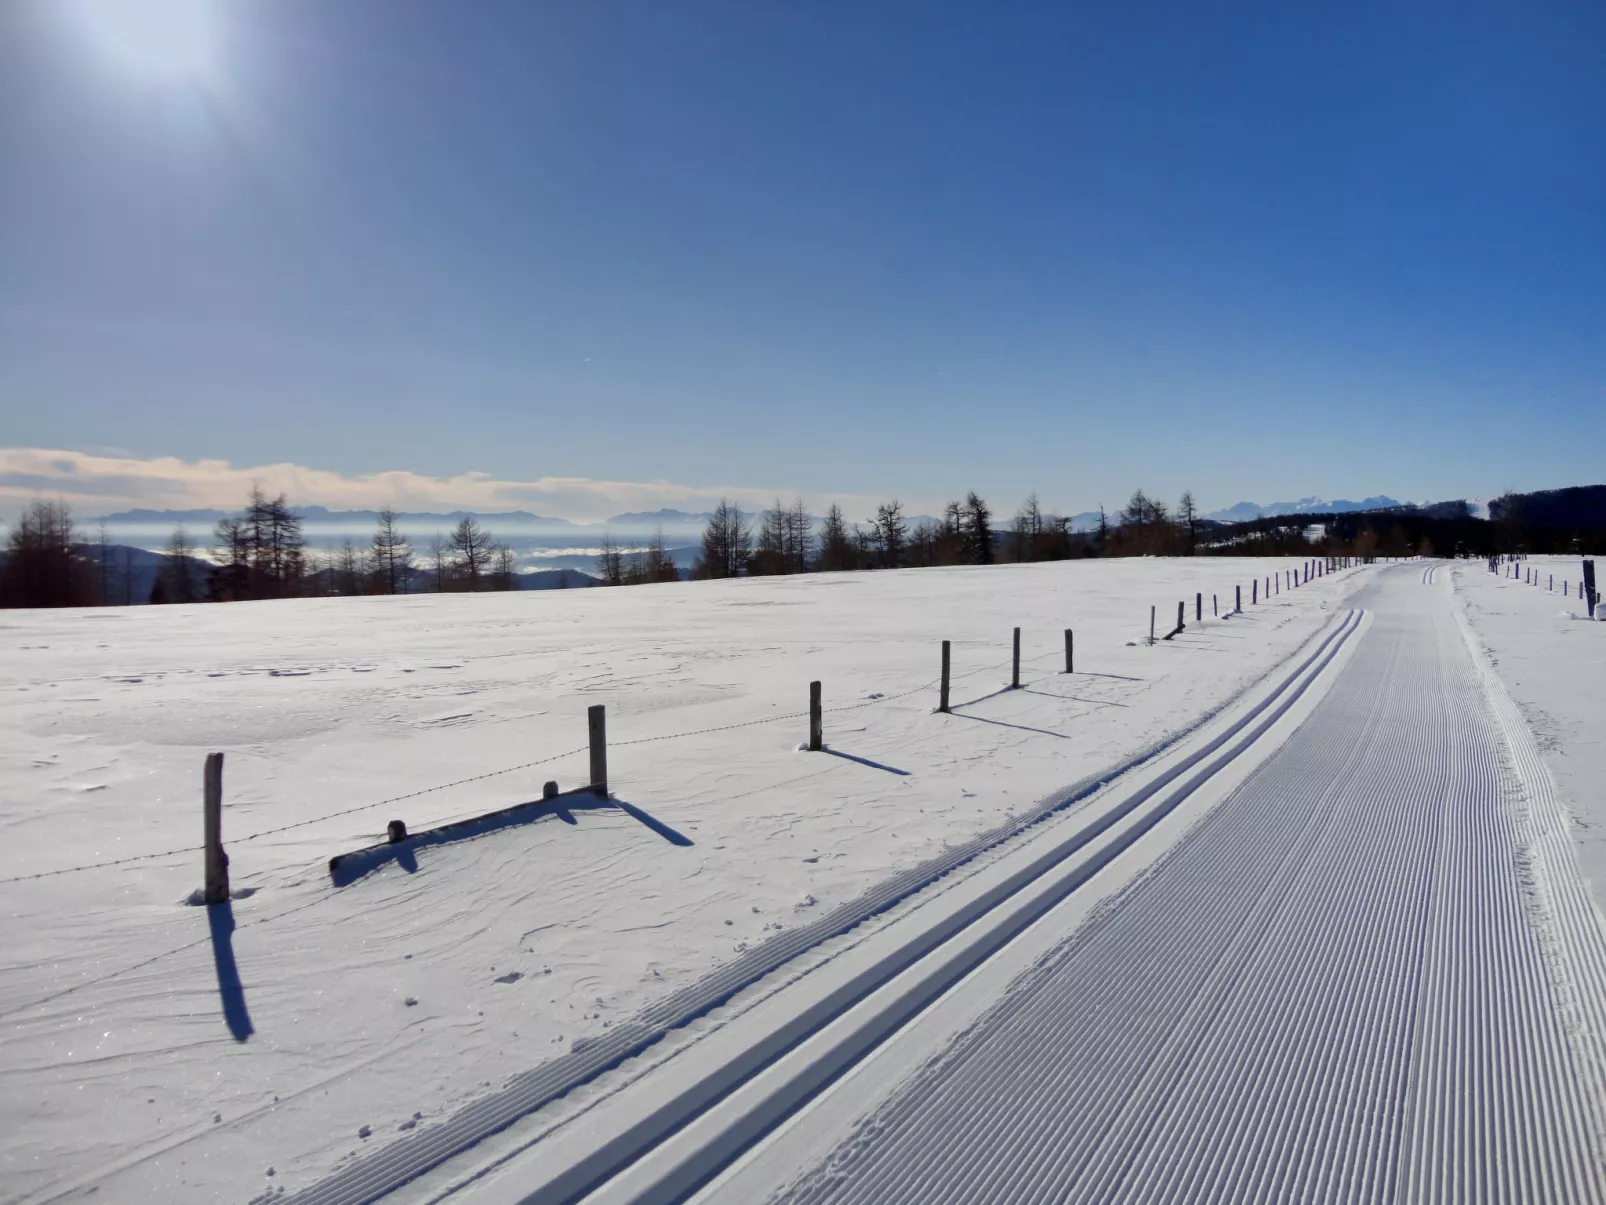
1198	607
1070	649
216	890
943	705
1237	599
1182	612
1254	592
816	723
1014	683
1215	610
1151	625
598	716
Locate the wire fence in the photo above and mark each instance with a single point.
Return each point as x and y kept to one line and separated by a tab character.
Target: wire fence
325	897
446	786
644	740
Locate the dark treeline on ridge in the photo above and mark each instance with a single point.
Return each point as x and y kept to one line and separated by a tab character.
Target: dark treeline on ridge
258	553
783	539
261	552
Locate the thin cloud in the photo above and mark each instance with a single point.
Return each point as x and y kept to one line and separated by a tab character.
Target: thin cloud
98	484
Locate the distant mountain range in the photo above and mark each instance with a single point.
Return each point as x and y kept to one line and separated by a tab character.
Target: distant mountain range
673	523
635	521
1243	512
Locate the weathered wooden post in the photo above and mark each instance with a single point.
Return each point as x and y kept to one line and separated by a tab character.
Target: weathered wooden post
598	716
1254	592
1198	607
396	832
1070	649
1014	682
1215	610
1237	599
216	890
549	789
1151	625
943	705
816	724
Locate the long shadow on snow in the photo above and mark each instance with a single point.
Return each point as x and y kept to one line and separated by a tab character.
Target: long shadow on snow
1049	694
354	866
864	761
1005	724
221	919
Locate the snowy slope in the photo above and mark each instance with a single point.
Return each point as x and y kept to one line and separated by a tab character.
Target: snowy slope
153	1050
1549	658
1367	973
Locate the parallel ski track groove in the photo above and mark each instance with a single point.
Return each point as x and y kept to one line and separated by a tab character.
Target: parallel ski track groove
387	1169
1330	989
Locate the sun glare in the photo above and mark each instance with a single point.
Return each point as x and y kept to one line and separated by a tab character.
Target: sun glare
161	41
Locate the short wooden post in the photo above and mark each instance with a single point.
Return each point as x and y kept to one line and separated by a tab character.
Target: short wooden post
598	716
943	704
396	831
1014	681
1254	592
1237	599
549	790
1198	606
1215	610
1070	649
1151	625
217	862
816	723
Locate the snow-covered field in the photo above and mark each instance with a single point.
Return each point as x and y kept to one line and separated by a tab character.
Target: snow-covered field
158	1050
1552	662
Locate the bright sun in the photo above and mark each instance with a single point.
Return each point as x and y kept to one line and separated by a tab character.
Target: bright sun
162	41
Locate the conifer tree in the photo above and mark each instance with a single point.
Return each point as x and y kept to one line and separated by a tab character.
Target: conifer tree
610	562
978	529
178	571
472	546
836	542
890	533
727	543
390	556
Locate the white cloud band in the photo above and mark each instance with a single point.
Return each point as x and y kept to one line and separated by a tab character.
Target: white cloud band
96	484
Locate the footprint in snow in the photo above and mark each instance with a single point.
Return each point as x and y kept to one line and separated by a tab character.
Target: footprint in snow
510	977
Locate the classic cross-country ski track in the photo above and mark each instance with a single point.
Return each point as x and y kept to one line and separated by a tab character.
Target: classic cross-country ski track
1332	947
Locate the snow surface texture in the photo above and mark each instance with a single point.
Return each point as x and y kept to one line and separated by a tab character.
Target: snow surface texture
1370	973
1551	660
164	1051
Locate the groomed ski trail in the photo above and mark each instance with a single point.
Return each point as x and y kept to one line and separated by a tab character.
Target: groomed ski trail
1350	981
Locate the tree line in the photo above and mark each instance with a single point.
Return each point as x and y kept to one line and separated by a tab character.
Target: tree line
261	552
785	539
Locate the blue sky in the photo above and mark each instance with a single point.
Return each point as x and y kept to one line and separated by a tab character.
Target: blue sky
1256	250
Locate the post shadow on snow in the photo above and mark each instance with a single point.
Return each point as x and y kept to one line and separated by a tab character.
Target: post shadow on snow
348	868
991	694
864	761
221	919
1005	724
1048	694
1086	673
